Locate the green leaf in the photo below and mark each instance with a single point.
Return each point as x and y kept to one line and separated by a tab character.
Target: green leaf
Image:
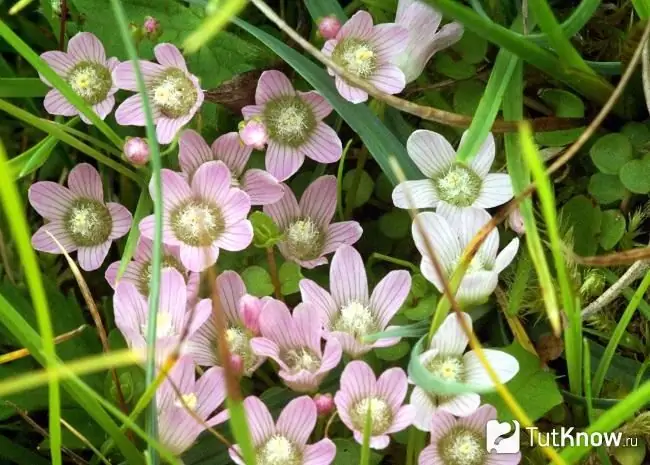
611	152
82	422
471	47
22	87
393	353
635	176
15	453
423	310
420	286
454	69
364	188
381	143
639	135
289	275
258	281
532	387
606	188
225	56
467	96
384	189
348	452
611	229
566	105
395	224
585	218
265	232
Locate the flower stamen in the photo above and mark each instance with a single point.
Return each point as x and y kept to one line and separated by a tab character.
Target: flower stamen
88	222
174	93
91	81
304	239
197	223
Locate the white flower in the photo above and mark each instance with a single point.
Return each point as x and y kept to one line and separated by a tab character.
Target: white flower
447	359
449	235
451	184
422	21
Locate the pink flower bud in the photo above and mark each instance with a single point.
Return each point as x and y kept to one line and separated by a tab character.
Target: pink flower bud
250	308
516	221
151	27
236	363
253	133
136	151
324	403
328	27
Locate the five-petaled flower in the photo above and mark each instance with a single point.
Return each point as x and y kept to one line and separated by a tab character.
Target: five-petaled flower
349	313
78	217
202	216
294	125
309	236
369	53
174	92
447	360
88	72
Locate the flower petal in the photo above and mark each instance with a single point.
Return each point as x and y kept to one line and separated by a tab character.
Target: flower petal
506	256
60	62
173	297
505	366
429	456
349	93
441	238
284	211
175	189
324	145
85	46
345	232
314	295
461	405
320	453
91	258
229	149
130	308
297	420
167	128
477	286
104	107
391	387
484	158
277	325
357	381
210	391
358	26
450	339
430	151
122	220
318	202
236	237
259	419
250	111
319	105
424	406
211	182
402	419
193	151
261	187
124	74
273	84
389	40
348	280
389	79
84	181
389	295
56	104
43	242
50	200
441	423
495	190
130	112
236	206
198	258
282	161
231	288
169	55
415	194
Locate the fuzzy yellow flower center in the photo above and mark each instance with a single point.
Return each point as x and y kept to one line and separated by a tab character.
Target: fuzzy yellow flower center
91	81
304	239
449	368
197	223
302	359
460	186
164	326
174	93
381	415
462	445
190	400
356	56
278	450
88	222
289	120
356	319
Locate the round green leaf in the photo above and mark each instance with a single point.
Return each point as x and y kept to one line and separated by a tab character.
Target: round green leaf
635	176
265	232
290	276
606	188
395	224
384	188
364	187
471	47
584	217
258	281
420	287
423	310
639	135
467	96
393	353
565	104
612	229
611	152
455	69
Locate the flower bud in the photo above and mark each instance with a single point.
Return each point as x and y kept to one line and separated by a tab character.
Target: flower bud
136	151
324	404
328	27
151	28
253	133
516	221
236	364
250	308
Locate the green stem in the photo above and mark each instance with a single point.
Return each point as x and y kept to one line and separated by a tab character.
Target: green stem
96	142
396	261
339	182
55	130
351	197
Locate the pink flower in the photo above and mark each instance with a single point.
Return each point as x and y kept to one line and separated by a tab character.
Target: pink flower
138	270
368	52
87	70
173	321
136	151
177	428
203	345
285	441
203	216
174	92
251	309
516	221
253	133
261	187
462	440
309	234
294	122
324	404
421	21
349	314
329	26
294	342
78	217
362	394
151	26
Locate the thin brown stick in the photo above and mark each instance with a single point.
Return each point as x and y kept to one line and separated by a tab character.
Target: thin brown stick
424	112
85	440
625	257
63	21
273	270
22	353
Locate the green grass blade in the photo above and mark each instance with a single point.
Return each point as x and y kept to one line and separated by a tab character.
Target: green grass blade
22	88
213	24
321	8
58	82
381	143
156	261
141	210
364	458
642	8
30	339
14	209
617	335
573	334
240	430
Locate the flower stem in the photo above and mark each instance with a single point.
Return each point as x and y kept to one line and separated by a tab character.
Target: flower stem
273	269
396	261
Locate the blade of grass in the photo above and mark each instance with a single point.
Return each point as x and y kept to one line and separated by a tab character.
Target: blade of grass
21	353
13	208
156	261
59	83
22	88
376	137
619	331
364	458
321	8
573	334
142	209
213	24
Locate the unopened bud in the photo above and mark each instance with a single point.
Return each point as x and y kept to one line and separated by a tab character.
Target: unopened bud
250	308
328	27
151	27
136	151
236	364
516	221
253	133
324	404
